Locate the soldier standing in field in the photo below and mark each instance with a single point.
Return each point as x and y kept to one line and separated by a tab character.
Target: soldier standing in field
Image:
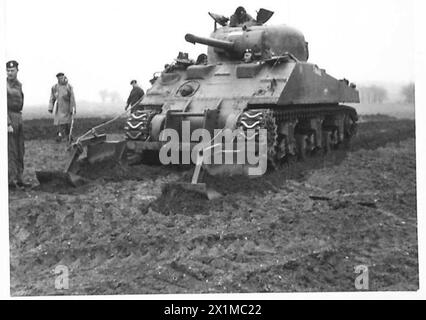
62	104
15	137
136	93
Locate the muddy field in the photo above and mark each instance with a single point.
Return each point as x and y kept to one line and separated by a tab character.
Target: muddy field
302	228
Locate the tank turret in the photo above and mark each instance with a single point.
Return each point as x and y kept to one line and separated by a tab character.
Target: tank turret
230	43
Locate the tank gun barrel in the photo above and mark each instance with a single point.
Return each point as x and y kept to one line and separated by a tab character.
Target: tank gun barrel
222	44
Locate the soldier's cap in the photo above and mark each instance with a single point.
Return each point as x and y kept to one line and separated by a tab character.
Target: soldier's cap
133	81
12	64
182	56
60	74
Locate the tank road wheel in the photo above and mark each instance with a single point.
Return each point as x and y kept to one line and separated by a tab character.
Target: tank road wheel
309	136
311	147
286	146
282	148
301	146
326	141
350	129
334	138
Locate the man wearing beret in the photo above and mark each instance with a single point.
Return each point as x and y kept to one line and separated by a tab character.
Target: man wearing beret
62	96
136	93
16	147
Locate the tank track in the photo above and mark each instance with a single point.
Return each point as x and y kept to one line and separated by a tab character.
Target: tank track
306	112
260	119
290	132
137	128
137	125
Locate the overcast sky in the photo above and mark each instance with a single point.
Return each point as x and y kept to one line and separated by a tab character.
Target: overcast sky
105	44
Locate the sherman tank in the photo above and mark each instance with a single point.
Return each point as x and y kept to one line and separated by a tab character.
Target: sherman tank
254	76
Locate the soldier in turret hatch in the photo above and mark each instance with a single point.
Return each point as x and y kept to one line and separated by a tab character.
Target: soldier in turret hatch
181	63
240	17
202	59
248	56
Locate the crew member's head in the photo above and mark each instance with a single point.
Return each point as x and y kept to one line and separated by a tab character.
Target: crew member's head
12	69
61	78
248	56
133	83
240	12
202	59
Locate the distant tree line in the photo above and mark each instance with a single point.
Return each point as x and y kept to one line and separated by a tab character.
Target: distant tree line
408	92
373	94
378	94
111	96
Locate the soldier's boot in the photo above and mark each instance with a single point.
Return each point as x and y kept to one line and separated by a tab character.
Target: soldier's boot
18	185
21	183
13	185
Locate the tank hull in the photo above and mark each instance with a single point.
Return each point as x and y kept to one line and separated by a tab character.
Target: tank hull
223	92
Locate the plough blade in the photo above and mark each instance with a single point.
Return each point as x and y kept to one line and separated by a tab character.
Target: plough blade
110	150
97	150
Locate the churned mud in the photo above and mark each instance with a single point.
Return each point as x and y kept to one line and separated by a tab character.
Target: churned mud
304	227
